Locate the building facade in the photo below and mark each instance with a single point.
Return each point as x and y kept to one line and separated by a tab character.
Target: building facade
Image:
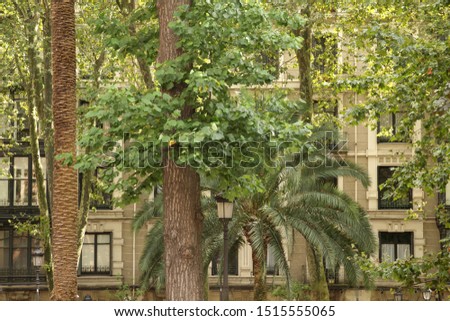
109	264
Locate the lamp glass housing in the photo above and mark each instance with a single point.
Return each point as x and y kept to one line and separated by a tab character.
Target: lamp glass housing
38	258
224	208
427	294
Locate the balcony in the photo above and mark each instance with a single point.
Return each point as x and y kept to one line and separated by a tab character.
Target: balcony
20	276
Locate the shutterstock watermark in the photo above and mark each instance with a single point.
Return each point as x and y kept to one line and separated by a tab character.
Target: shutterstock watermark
218	154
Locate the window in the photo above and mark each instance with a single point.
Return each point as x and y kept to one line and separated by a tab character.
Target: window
99	198
14	121
271	62
4	181
15	256
331	273
395	246
96	254
329	107
324	52
384	173
271	264
388	128
233	262
18	185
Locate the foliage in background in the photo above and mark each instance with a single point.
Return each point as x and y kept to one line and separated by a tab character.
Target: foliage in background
404	47
432	271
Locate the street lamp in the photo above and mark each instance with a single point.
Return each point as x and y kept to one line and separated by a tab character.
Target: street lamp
398	296
225	212
427	294
38	260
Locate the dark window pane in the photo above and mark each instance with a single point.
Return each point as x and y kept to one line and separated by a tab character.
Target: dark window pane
4	251
233	262
271	267
395	246
20	252
389	124
384	173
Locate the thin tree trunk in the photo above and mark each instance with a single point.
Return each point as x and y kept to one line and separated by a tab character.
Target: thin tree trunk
35	93
46	119
86	183
317	278
304	61
182	211
127	7
65	196
83	213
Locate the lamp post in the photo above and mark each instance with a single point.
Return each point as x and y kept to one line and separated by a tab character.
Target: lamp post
38	259
427	294
398	296
225	212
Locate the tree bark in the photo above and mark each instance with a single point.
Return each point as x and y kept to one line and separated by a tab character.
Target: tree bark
65	196
317	278
181	185
127	7
46	119
260	290
304	61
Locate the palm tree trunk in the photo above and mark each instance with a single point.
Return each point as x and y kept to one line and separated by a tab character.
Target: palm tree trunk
260	291
65	197
317	277
183	218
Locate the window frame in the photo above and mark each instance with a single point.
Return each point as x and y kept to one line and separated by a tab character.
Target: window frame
233	262
395	235
271	270
319	47
11	180
96	272
384	204
10	275
107	203
394	125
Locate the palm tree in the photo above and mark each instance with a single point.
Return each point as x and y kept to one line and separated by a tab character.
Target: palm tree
293	198
263	230
65	202
333	224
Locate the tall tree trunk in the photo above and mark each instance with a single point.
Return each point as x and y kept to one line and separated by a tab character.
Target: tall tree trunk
181	185
35	107
127	7
65	196
35	92
46	119
304	61
317	277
